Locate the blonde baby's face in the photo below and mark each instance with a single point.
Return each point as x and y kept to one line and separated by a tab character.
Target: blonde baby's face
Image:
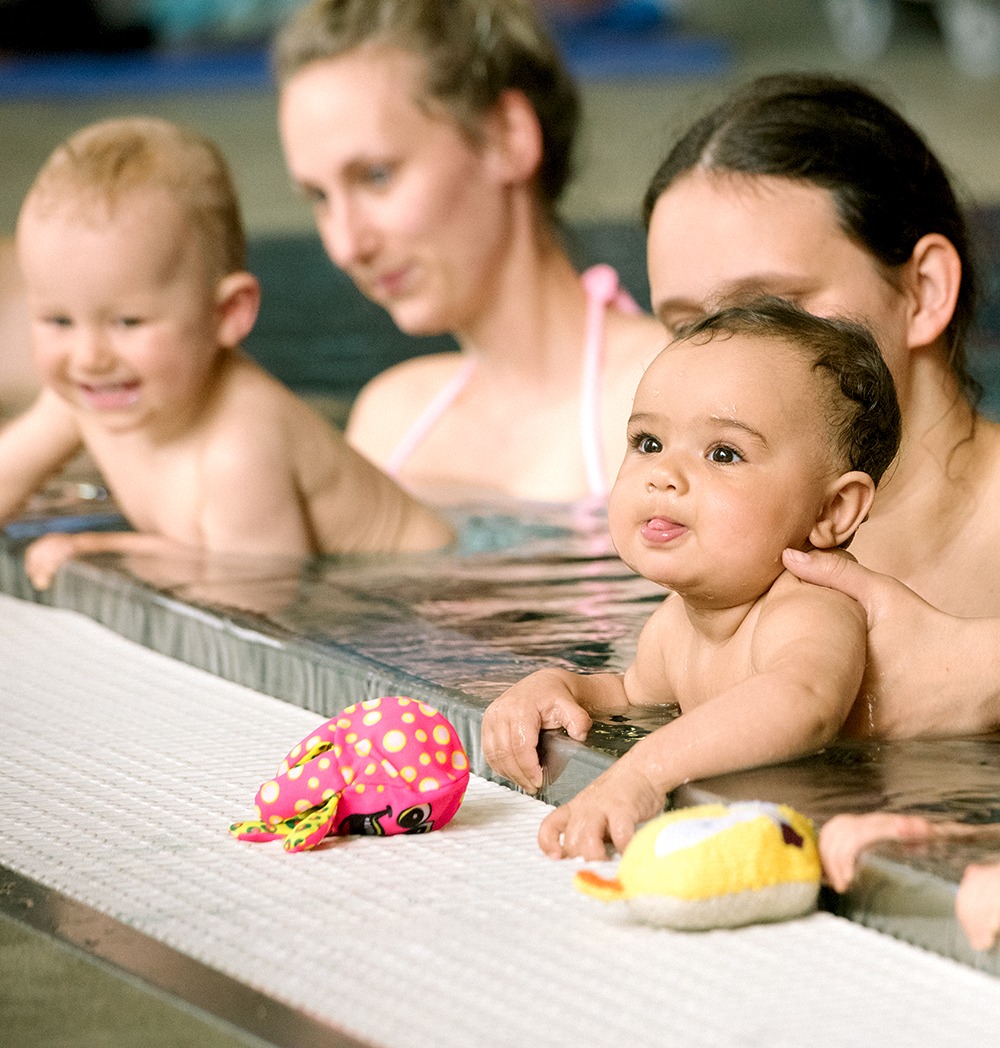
728	463
403	202
123	313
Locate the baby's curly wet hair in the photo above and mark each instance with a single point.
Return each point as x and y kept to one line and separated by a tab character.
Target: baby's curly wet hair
861	404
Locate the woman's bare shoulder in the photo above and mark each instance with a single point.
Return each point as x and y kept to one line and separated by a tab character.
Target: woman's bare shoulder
388	404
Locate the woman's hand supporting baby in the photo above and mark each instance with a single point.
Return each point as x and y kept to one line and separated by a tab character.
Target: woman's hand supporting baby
928	673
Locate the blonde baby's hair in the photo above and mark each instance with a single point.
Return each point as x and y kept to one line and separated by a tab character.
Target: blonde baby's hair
104	162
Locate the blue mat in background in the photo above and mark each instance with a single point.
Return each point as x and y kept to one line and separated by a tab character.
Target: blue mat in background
77	76
592	53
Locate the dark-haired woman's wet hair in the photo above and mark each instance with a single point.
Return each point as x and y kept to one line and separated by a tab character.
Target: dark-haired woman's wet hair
888	188
859	397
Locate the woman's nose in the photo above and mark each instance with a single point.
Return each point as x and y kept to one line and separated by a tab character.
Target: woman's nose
347	234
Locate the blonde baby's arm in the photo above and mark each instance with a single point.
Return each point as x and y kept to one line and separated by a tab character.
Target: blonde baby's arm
977	904
33	447
808	658
44	557
550	698
291	484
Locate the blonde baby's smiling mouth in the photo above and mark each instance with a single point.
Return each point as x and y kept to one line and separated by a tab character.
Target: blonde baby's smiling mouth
110	396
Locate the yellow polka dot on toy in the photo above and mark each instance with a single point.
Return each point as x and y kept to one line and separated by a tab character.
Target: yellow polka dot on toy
716	866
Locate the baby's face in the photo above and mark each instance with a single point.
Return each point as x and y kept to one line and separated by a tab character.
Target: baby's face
123	314
728	462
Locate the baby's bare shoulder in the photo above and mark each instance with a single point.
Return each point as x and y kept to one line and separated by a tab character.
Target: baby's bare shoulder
792	608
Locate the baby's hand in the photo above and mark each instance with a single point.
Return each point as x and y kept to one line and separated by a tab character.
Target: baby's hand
609	809
845	837
43	558
512	723
977	904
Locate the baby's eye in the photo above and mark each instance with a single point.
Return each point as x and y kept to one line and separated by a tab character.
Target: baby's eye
129	322
647	445
725	454
58	320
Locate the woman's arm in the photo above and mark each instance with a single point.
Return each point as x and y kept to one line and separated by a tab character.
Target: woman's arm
929	674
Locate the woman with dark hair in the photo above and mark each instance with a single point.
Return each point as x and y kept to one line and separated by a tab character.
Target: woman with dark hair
433	142
814	189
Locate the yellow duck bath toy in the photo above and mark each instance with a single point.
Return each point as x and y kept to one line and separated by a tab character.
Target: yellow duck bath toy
716	866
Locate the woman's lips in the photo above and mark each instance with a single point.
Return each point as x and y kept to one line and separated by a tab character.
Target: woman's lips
111	396
660	530
393	283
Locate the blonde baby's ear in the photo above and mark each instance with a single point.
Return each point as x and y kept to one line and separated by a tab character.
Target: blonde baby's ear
849	499
237	301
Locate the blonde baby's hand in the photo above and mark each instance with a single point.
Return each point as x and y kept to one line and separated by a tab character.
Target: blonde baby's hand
512	723
977	904
44	557
845	837
606	811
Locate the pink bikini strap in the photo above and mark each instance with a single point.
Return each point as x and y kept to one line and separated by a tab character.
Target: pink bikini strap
428	418
603	289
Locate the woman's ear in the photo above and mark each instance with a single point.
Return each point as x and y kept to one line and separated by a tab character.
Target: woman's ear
513	138
848	501
237	301
935	275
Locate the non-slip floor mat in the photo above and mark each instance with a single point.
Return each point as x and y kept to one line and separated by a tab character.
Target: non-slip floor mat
121	769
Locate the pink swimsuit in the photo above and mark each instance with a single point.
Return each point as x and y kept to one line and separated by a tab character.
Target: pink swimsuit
603	289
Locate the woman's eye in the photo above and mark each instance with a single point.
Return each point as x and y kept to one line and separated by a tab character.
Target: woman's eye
724	454
312	195
378	175
647	445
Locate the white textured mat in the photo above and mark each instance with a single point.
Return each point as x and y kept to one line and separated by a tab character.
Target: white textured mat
120	771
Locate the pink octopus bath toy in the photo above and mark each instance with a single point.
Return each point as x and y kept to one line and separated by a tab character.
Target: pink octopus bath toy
388	765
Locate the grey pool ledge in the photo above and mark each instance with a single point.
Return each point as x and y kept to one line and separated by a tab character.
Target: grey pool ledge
455	632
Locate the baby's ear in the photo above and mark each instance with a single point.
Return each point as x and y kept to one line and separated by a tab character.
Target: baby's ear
237	301
848	501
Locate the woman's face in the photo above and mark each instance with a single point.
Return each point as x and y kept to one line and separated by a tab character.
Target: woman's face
716	238
405	204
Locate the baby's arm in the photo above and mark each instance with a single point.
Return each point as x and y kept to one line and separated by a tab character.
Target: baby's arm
44	557
844	837
33	447
977	903
550	698
289	483
807	660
